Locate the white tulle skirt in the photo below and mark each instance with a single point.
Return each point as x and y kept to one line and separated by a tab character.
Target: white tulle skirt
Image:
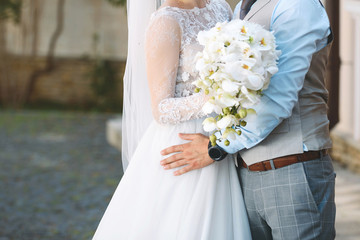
152	203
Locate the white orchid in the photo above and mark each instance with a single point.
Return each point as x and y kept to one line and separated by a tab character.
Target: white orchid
249	98
231	87
229	133
236	64
255	82
210	107
209	124
227	100
227	121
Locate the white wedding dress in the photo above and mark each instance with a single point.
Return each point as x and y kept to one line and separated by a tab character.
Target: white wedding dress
150	202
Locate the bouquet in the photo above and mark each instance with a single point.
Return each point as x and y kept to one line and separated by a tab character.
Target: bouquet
236	65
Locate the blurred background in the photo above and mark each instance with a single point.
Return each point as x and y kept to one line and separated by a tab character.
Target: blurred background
61	69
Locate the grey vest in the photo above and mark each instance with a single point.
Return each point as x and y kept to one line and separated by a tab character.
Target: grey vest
308	123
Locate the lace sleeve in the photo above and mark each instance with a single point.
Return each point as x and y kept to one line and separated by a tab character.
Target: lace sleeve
228	10
163	42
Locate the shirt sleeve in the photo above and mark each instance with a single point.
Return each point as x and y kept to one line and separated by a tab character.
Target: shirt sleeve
301	28
237	10
162	46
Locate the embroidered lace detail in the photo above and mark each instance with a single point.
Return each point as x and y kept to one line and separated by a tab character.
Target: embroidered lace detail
171	46
177	110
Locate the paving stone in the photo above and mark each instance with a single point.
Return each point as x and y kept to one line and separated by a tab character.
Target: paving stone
58	174
347	200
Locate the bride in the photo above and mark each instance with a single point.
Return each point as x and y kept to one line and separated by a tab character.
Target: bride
150	202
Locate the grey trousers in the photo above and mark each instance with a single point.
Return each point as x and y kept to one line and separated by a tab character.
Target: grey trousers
293	202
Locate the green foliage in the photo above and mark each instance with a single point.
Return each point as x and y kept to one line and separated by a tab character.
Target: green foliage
117	2
104	85
10	9
103	76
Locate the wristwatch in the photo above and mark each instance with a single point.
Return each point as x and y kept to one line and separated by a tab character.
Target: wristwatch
216	152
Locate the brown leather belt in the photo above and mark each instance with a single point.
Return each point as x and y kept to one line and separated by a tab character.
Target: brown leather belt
283	161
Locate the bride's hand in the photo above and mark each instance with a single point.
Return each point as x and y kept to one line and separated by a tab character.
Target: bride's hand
192	155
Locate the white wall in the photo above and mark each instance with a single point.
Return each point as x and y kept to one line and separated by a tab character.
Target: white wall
346	72
350	72
83	19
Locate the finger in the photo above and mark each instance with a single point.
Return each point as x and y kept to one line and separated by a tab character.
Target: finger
176	164
186	136
172	149
183	170
172	158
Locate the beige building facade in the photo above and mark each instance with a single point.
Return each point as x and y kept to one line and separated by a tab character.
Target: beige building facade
87	20
346	135
84	20
89	25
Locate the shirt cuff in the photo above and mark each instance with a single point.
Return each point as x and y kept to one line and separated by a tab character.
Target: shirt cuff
234	146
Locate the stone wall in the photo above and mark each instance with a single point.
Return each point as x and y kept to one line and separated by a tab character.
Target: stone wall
346	150
68	84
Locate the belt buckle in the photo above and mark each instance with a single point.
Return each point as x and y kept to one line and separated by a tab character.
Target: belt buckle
272	164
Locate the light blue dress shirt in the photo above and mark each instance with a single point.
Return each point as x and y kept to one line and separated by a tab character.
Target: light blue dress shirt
301	28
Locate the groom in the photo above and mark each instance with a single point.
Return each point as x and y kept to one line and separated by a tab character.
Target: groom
285	171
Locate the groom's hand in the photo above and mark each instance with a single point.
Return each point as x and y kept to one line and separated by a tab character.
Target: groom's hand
191	155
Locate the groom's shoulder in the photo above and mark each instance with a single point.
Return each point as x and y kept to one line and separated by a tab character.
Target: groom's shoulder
300	4
300	8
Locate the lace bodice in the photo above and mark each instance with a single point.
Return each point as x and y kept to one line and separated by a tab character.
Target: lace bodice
171	46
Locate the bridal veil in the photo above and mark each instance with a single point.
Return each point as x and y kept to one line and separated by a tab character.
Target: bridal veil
136	97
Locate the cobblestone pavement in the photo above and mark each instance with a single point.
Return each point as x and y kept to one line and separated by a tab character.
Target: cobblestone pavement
57	175
347	200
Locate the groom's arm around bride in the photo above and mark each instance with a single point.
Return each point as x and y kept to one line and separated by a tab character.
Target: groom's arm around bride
285	171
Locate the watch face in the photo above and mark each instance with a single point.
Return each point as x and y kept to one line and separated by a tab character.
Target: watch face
214	153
